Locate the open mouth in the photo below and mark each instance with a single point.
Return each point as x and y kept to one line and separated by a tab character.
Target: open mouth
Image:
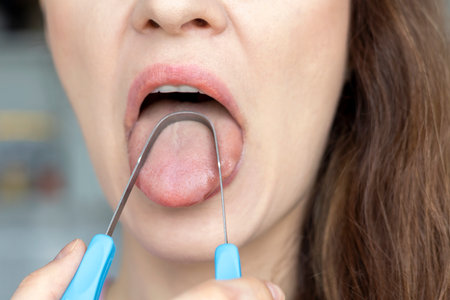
186	97
181	169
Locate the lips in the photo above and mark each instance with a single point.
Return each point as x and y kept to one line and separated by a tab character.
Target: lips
181	169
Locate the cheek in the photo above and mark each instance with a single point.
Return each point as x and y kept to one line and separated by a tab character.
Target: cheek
84	38
65	37
299	64
297	55
306	39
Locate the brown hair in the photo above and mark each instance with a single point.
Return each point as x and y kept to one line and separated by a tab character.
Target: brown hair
378	224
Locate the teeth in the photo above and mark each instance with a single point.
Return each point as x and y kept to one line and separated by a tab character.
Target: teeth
188	89
176	89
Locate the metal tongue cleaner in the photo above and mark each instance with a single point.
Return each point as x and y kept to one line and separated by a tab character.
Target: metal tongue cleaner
90	276
162	124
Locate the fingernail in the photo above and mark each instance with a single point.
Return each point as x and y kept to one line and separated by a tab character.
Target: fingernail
67	249
275	290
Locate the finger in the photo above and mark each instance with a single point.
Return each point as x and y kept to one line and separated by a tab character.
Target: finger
50	282
243	288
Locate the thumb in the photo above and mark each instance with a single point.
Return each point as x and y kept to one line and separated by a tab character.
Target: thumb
51	281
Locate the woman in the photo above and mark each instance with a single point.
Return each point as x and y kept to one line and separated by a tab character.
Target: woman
332	119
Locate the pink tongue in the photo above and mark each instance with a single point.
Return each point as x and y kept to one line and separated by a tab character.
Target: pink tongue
181	169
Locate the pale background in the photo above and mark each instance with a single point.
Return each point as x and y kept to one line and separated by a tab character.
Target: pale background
49	194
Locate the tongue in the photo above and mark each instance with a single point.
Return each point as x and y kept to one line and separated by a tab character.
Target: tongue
181	169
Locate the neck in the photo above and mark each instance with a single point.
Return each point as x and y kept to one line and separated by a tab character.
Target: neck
272	256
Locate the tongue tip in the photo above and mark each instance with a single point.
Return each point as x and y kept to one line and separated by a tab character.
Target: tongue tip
173	200
179	197
178	203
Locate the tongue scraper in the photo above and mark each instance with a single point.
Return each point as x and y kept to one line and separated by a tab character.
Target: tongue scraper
88	281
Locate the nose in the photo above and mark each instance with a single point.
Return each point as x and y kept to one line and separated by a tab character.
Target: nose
178	16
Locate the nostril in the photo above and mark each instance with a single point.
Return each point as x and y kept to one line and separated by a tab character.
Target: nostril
200	22
193	23
153	24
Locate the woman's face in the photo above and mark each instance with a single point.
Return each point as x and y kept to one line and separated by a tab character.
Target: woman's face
272	72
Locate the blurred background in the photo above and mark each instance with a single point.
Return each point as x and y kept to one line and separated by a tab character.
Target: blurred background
49	194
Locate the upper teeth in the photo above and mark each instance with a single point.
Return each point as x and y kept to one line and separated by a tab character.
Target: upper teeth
176	89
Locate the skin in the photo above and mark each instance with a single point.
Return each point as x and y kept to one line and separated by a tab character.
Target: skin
284	63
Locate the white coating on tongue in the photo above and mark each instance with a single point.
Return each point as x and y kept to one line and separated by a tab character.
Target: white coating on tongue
181	169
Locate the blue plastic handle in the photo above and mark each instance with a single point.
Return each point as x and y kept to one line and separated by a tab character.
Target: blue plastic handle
227	262
88	281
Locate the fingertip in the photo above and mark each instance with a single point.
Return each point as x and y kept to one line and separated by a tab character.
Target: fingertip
50	281
275	290
77	246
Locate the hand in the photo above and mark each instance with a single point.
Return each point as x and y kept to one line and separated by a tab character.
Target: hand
50	282
243	288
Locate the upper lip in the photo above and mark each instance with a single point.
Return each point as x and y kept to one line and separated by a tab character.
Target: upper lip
163	74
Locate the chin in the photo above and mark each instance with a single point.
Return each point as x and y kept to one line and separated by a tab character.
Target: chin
184	234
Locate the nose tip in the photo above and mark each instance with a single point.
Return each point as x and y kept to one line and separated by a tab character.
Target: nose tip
177	17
